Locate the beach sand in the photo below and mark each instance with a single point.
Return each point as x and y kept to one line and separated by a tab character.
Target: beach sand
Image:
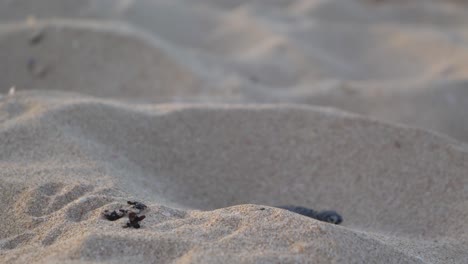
214	112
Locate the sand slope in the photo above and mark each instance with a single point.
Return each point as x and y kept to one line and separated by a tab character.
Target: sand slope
66	157
412	54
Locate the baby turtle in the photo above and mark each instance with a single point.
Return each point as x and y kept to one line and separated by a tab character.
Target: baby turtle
137	205
114	215
325	216
133	220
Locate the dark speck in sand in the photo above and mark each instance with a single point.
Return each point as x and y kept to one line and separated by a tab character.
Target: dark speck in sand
397	144
37	37
37	70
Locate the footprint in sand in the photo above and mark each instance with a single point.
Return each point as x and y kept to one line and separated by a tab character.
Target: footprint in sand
51	197
17	241
79	209
76	211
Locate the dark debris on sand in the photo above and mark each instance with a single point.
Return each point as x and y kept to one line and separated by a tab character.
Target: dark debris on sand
114	215
134	218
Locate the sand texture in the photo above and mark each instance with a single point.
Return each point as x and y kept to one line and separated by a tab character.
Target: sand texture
212	112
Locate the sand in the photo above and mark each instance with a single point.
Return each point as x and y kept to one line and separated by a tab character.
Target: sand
214	112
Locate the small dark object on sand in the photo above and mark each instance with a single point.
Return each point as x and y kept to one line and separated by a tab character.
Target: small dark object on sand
133	220
38	71
31	65
37	37
137	205
114	215
325	216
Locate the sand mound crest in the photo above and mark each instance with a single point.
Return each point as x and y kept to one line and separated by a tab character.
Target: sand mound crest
386	174
118	63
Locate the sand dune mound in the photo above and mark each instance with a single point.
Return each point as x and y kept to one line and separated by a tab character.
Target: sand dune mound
399	58
391	184
407	104
392	57
120	64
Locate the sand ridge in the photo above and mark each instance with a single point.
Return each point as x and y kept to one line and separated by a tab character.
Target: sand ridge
386	192
312	52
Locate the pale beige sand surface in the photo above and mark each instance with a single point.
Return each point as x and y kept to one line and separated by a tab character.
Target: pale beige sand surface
212	112
400	61
65	158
